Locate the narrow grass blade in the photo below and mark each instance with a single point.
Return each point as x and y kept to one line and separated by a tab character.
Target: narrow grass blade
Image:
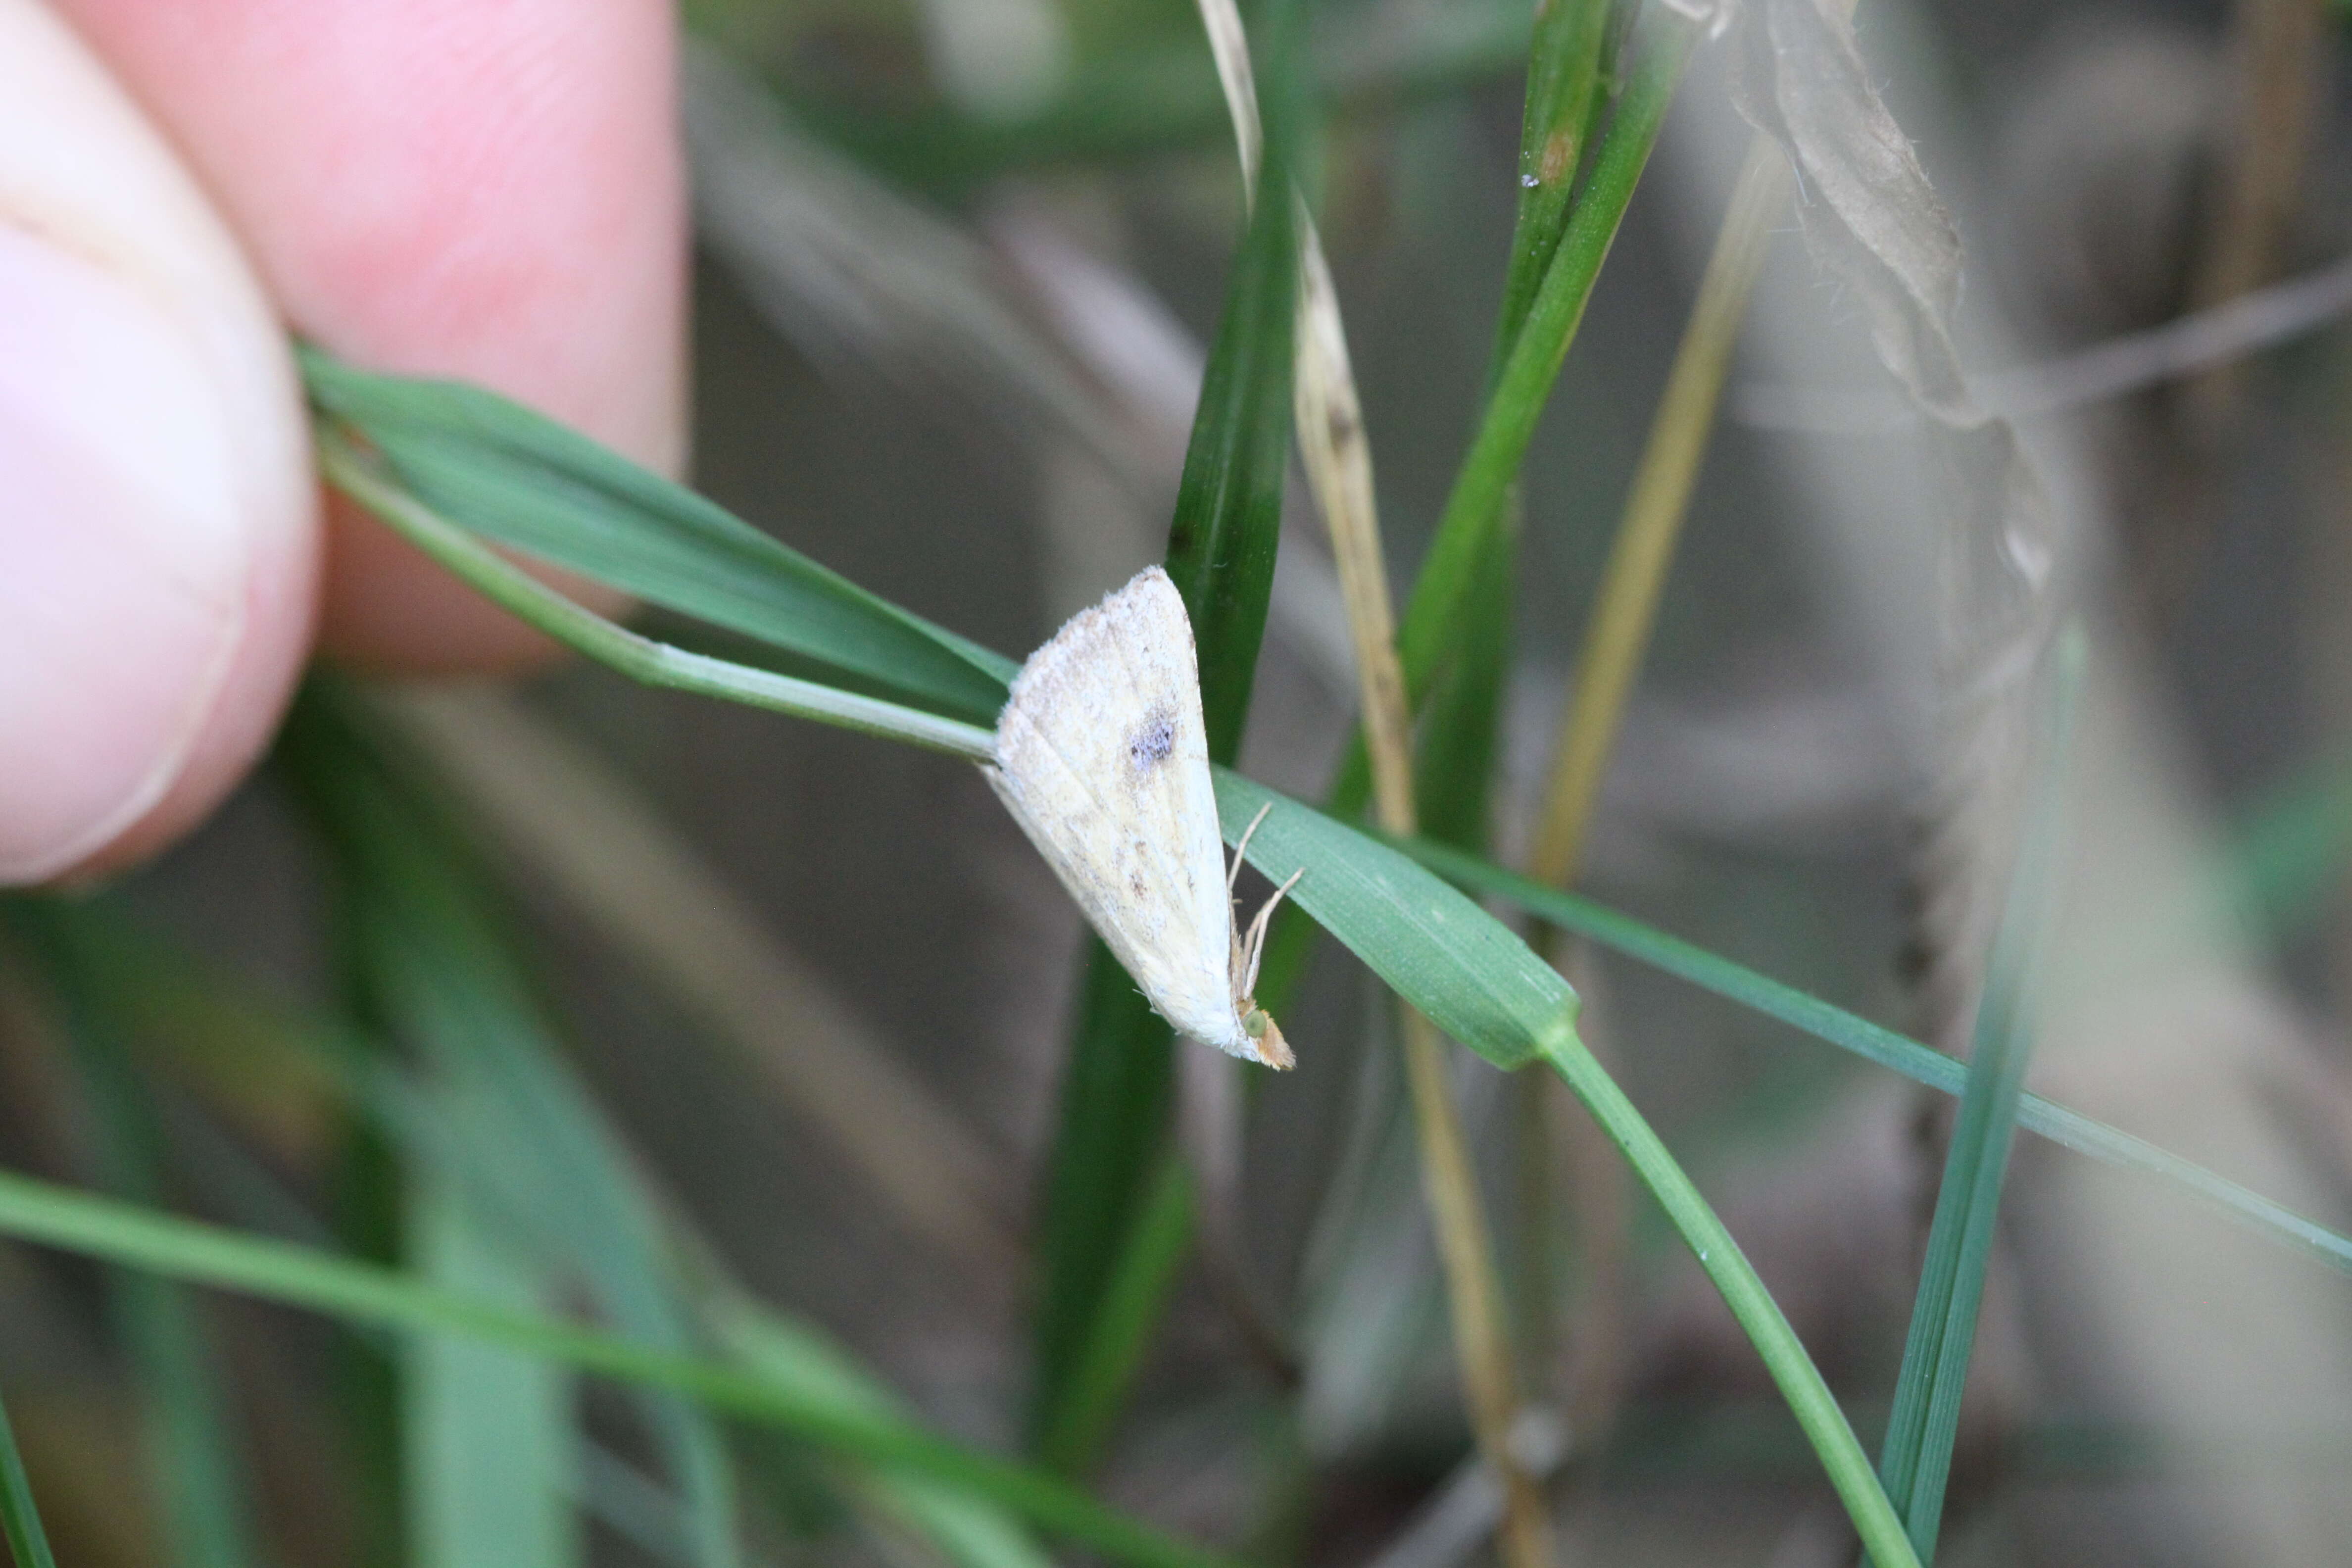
1916	1457
525	481
363	1294
1150	100
1564	72
641	659
1875	1043
1442	614
190	1446
1471	977
1120	1333
1117	1097
20	1517
1446	957
491	1448
1619	636
1461	713
1461	705
967	1529
1336	455
153	982
538	799
1228	518
1118	1102
521	1138
1759	1317
1441	594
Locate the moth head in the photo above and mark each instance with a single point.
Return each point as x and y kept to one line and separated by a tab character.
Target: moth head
1264	1038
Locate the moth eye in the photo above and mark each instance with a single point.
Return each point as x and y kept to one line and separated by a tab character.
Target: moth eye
1253	1022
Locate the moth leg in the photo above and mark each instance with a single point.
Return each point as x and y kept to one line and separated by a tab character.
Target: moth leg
1255	944
1242	848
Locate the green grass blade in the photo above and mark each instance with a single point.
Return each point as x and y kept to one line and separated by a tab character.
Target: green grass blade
1759	1317
1153	99
1451	617
193	1014
1916	1458
525	481
639	657
1120	1333
1228	520
492	1450
1461	706
968	1530
1118	1092
1442	954
191	1445
518	1131
1478	982
1453	767
1117	1101
1441	594
20	1517
365	1294
1875	1042
1563	92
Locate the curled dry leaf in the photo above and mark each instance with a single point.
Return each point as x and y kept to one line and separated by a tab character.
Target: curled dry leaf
1871	217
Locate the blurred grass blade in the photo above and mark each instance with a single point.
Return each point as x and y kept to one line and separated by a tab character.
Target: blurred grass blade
1875	1043
1147	101
365	1294
20	1517
968	1530
492	1449
1618	636
1116	1103
157	984
639	657
523	1138
520	479
1152	1249
1116	1094
1916	1458
1469	975
191	1445
567	819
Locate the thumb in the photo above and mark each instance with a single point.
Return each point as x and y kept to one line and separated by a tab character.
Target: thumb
157	543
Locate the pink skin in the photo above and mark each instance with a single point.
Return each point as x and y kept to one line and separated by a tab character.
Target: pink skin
486	189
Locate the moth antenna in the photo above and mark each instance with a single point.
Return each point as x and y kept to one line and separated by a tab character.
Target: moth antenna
1242	848
1257	944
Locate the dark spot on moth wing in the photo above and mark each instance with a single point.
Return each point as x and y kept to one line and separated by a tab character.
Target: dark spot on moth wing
1153	741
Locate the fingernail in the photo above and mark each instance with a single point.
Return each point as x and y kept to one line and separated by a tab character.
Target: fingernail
123	555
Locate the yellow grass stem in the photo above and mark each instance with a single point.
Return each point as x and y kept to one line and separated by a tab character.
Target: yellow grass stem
1627	608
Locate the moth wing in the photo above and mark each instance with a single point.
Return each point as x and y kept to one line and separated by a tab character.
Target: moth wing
1102	757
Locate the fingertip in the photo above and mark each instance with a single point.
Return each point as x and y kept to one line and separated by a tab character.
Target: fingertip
158	536
491	190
